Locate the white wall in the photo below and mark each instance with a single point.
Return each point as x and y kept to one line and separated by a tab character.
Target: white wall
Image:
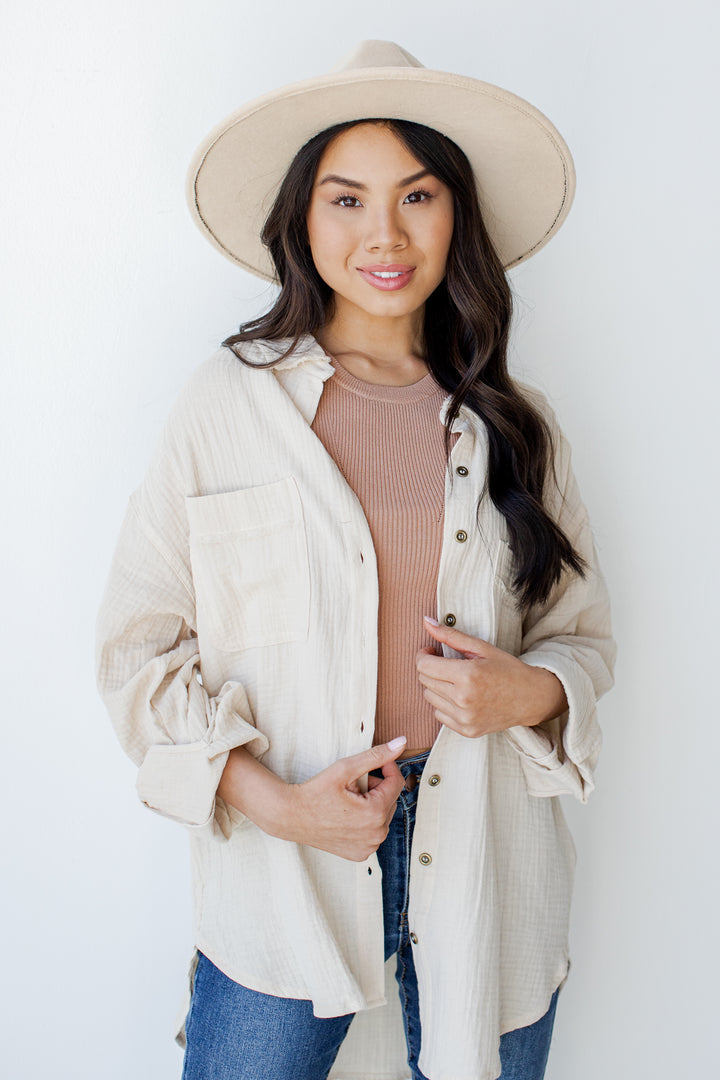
111	297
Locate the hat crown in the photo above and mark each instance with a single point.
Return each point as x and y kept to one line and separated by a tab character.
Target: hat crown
373	53
522	168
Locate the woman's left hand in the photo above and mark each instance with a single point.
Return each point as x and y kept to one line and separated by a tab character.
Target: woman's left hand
489	689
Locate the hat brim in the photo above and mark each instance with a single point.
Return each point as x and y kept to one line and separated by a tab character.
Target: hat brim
523	168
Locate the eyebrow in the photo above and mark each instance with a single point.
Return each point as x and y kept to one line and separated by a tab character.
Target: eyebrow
332	178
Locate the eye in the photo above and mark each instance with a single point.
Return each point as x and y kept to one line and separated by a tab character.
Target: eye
345	199
340	200
425	195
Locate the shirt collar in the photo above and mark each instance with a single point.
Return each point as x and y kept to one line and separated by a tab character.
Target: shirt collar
464	421
308	352
311	356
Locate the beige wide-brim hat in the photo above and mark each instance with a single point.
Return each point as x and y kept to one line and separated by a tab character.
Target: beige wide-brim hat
524	171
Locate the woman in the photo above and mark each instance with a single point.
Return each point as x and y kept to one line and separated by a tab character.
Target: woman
355	629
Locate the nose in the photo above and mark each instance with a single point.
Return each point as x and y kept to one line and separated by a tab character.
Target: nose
384	230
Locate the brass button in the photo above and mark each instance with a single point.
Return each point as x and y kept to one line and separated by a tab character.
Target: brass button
434	780
413	938
450	620
461	470
425	859
461	536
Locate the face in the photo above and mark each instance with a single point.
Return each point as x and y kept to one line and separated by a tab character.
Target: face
379	224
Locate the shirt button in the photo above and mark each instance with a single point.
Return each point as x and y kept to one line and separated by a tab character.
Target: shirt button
425	859
434	780
450	619
413	938
461	470
461	536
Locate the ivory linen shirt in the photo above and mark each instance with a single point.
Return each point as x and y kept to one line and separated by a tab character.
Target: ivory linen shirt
241	609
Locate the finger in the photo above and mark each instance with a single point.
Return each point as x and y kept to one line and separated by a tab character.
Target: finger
443	705
351	768
447	691
392	783
443	668
392	809
448	721
457	640
384	795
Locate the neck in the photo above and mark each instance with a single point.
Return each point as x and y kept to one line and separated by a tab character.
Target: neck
387	351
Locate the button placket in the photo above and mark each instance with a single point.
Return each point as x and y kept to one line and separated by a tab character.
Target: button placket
461	536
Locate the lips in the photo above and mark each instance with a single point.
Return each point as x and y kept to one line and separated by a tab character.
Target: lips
387	276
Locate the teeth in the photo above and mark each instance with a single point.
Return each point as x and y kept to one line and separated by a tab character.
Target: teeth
387	273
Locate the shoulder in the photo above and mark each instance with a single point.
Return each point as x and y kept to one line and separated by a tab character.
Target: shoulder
561	450
540	402
222	382
225	367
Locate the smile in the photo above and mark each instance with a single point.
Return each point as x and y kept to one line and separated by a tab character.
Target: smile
388	279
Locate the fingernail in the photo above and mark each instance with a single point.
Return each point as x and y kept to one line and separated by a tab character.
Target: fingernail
429	618
395	744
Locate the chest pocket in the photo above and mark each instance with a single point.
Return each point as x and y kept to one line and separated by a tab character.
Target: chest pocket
250	566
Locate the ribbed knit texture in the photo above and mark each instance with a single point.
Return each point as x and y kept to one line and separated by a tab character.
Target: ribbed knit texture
388	442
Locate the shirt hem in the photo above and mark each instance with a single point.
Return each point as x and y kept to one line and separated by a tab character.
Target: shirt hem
297	994
534	1016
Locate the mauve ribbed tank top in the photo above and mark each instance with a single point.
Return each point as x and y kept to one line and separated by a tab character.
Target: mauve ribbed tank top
388	443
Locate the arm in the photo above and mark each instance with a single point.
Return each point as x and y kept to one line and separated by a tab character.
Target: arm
544	700
197	755
329	811
571	637
148	674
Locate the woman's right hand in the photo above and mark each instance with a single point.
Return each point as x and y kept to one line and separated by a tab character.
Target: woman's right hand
329	811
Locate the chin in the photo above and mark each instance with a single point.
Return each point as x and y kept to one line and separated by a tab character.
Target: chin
389	303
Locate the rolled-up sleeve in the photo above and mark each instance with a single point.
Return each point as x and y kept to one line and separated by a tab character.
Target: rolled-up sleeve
149	676
571	636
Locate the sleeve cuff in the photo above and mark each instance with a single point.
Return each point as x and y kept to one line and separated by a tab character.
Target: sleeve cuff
180	781
559	757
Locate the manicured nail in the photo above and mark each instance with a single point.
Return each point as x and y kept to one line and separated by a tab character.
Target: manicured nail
429	618
395	744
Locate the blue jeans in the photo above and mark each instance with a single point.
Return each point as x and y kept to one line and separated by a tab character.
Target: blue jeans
238	1034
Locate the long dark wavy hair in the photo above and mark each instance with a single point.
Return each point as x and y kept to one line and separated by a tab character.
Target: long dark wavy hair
466	329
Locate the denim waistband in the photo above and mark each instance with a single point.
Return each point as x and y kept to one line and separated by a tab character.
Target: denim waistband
408	765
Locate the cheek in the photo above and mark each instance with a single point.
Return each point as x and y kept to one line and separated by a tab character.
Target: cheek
445	235
441	248
446	224
328	243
